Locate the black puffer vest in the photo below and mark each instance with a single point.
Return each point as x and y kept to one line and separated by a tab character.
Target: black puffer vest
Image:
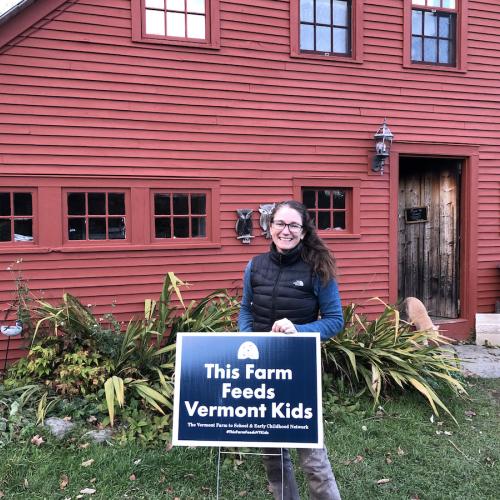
282	287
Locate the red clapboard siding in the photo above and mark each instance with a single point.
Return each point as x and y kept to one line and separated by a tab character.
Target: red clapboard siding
79	99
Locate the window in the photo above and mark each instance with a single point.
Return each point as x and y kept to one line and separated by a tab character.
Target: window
332	203
177	22
16	216
327	207
95	215
179	214
435	34
326	28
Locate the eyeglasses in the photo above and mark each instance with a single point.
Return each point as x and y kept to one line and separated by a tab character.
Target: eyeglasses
293	227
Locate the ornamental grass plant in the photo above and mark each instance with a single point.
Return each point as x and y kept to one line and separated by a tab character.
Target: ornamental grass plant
386	352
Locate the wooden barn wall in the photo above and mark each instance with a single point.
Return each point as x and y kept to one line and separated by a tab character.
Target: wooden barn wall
78	97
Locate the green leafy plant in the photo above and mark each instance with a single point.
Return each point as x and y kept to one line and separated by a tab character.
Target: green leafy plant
145	364
387	352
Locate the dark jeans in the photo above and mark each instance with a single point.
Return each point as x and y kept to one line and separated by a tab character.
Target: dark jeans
316	467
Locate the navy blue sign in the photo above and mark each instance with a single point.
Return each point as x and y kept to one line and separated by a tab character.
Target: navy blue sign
248	389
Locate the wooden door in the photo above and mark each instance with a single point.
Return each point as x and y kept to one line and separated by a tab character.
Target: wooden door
428	218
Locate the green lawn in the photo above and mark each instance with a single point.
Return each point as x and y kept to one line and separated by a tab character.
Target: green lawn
417	457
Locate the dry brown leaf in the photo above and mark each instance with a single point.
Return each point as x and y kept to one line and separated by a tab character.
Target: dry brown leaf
383	481
2	494
63	481
169	446
93	480
84	446
388	459
132	477
88	462
242	494
37	440
470	413
359	458
26	484
67	419
400	451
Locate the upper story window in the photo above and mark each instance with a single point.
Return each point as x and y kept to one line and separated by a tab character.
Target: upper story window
325	26
331	29
16	216
433	32
95	215
176	22
176	18
180	214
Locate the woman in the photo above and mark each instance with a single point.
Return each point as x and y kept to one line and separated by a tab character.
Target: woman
285	290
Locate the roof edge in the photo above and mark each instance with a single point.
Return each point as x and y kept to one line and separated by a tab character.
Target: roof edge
24	16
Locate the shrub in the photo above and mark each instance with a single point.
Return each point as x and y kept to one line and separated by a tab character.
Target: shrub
387	352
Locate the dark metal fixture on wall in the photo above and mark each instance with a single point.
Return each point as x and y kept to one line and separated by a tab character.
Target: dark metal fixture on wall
383	142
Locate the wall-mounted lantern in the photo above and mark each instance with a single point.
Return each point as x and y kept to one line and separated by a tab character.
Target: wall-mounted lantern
244	226
383	141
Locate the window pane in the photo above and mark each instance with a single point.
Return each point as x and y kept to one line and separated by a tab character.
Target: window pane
306	37
175	5
22	204
339	220
76	229
97	228
416	48
444	26
324	220
308	198
162	204
323	12
5	234
444	52
340	13
116	228
155	4
196	26
175	24
199	227
416	22
198	204
181	204
418	2
23	229
155	22
323	39
323	199
97	203
430	24
4	203
306	11
430	50
449	4
76	204
340	41
116	203
338	199
162	228
433	3
196	6
181	227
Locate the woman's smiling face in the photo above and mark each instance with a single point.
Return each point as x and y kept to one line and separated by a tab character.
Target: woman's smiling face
285	238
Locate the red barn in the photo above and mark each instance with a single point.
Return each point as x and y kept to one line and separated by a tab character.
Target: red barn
132	131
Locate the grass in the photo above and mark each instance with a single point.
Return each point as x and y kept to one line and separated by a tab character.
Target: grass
420	458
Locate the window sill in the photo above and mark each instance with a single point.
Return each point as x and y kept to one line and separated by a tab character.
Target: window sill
187	44
432	68
320	58
326	235
113	248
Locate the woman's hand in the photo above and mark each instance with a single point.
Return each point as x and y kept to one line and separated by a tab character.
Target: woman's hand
283	326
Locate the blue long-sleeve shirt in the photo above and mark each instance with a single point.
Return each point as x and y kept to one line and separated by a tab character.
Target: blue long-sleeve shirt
330	308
